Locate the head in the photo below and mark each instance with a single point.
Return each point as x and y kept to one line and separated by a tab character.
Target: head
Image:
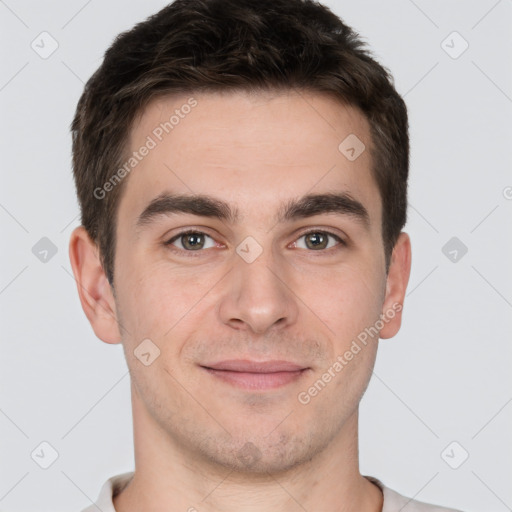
228	119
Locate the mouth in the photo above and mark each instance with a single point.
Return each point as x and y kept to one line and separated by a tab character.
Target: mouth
256	375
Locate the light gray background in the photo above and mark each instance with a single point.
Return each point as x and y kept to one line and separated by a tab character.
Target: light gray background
445	377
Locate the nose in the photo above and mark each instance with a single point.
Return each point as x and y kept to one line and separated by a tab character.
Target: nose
258	295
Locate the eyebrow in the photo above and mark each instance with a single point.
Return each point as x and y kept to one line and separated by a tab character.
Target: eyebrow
202	205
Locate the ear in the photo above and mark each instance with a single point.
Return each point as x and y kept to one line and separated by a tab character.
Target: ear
396	285
94	290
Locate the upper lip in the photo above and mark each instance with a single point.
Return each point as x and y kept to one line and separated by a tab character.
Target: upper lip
247	366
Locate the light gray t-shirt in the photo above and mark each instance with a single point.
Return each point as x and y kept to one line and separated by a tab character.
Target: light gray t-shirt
393	502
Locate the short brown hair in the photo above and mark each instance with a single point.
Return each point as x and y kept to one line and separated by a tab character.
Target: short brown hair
214	45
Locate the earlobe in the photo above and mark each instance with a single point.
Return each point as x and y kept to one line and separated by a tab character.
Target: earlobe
396	286
93	287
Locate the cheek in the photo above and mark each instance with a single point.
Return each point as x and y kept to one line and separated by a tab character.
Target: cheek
159	297
346	299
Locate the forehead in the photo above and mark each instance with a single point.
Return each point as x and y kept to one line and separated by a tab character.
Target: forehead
251	149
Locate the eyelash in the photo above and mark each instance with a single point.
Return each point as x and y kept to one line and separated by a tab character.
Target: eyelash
177	250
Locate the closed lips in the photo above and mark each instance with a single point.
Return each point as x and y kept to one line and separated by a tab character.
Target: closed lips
246	366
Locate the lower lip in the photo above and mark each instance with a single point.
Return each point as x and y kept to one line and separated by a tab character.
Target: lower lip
256	381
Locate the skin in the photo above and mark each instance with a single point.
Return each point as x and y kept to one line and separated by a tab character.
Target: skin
199	441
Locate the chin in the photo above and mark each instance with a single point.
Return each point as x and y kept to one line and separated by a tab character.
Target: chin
263	456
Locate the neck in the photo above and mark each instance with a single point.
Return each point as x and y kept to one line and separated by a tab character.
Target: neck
169	477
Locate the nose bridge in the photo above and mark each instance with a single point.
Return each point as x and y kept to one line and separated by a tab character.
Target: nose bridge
258	297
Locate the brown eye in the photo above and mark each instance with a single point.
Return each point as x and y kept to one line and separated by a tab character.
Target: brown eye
318	240
191	241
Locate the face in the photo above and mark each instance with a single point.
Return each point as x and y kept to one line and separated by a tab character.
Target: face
250	297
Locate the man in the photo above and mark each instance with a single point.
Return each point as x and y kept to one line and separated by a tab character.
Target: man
241	168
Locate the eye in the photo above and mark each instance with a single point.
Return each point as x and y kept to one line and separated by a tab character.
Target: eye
191	241
318	240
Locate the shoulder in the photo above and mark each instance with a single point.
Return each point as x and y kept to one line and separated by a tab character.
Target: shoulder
395	502
110	488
